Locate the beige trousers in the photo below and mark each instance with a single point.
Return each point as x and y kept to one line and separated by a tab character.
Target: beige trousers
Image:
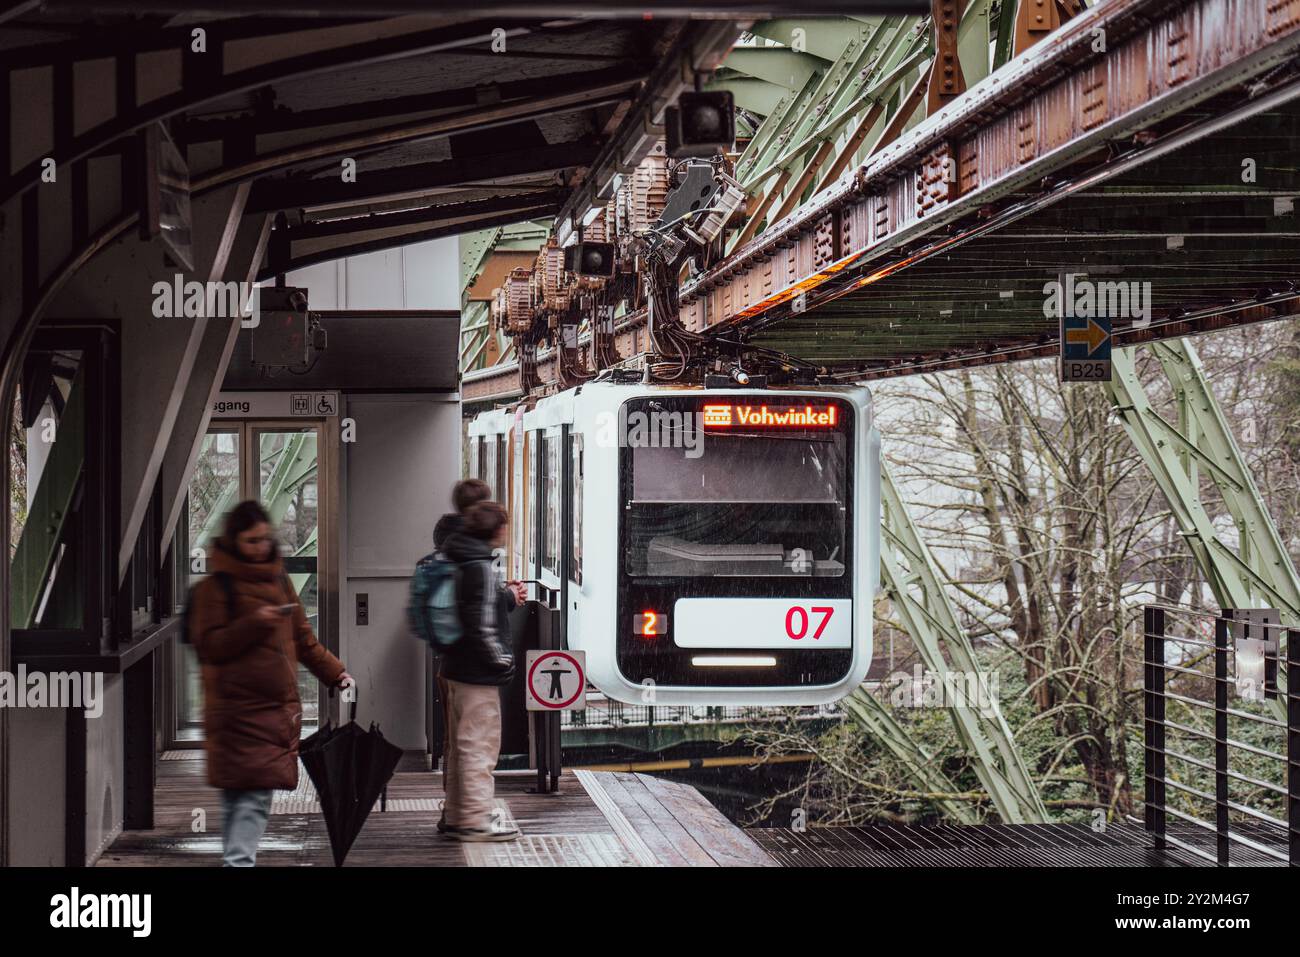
473	746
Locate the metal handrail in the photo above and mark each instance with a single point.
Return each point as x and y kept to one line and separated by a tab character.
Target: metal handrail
1157	727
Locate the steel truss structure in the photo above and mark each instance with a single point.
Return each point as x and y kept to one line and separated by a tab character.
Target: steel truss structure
1119	88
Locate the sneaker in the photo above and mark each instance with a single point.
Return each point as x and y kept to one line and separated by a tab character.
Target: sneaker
483	834
447	830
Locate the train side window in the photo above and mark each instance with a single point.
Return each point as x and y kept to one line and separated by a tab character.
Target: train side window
550	504
531	515
575	507
501	486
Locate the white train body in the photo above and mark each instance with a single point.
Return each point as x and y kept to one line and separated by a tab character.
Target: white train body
703	546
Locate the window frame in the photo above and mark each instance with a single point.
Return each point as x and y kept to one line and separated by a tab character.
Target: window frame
98	535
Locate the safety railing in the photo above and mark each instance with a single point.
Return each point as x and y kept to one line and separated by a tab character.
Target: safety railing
1222	776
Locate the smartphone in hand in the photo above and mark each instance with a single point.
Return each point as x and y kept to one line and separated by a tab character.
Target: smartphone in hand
285	609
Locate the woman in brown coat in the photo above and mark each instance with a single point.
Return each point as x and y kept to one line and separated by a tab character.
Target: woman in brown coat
250	631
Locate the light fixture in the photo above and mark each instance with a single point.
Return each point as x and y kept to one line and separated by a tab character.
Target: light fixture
701	124
733	661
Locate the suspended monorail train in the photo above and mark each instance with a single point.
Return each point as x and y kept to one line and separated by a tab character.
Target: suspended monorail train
702	546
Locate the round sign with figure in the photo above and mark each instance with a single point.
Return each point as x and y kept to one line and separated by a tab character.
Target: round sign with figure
557	680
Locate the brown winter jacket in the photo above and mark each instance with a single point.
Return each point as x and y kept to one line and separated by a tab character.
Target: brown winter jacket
252	715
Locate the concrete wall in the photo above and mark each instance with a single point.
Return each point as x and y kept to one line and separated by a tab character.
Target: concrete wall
423	276
105	771
36	788
396	481
398	478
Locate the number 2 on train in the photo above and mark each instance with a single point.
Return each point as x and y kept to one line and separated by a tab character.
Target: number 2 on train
823	610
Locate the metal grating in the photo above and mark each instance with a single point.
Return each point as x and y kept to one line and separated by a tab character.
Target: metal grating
548	850
983	845
187	754
304	800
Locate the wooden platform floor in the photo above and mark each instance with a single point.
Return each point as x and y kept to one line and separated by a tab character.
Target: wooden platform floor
596	819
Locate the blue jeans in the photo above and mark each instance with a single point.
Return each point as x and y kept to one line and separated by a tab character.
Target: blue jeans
244	816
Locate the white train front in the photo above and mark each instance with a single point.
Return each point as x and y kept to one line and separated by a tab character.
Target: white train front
704	546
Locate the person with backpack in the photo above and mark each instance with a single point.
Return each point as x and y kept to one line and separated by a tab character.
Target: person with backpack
432	588
250	633
475	666
464	495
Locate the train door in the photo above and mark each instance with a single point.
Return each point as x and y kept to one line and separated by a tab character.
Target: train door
282	463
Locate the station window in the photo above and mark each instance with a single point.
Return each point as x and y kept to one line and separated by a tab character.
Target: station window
63	506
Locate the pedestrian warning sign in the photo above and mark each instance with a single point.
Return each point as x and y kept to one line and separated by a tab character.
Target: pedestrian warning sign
557	680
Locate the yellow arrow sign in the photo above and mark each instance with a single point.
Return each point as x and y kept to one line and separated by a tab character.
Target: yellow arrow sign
1094	336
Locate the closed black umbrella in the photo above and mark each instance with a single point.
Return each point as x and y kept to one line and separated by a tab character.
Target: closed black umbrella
350	768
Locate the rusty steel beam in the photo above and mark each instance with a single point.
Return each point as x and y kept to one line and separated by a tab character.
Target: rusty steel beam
1034	20
1063	102
502	384
1182	327
946	79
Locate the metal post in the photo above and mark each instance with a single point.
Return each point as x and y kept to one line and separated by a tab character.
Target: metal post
1293	747
1221	638
1154	685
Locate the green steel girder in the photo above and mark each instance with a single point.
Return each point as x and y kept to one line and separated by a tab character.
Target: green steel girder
1258	571
475	250
779	66
772	135
294	463
915	587
921	765
847	88
756	96
822	36
833	87
811	131
795	141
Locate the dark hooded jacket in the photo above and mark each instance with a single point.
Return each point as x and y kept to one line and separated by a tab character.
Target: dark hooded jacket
484	654
252	715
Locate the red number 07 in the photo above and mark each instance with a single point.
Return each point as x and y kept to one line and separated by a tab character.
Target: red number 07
824	610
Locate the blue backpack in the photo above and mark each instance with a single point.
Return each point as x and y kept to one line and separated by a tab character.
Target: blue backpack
432	610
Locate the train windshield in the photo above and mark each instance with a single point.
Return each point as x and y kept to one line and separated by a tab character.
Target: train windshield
740	503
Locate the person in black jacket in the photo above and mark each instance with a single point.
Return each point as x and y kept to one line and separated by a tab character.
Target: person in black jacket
466	494
474	668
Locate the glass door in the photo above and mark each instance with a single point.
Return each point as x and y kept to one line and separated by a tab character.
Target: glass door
287	485
278	464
